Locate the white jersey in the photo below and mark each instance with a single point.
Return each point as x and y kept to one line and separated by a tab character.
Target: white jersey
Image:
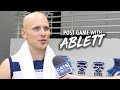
16	73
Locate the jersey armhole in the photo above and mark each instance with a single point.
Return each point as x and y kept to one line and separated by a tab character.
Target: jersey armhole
11	67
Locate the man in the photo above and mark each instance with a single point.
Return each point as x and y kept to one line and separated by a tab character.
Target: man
34	53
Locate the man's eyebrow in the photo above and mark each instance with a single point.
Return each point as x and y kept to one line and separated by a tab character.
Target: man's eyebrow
47	27
40	27
33	27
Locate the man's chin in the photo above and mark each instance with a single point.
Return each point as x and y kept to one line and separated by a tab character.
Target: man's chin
43	47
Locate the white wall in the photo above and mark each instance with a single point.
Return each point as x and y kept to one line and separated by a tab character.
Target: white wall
109	50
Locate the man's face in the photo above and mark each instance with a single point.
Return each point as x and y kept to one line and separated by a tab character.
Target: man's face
37	32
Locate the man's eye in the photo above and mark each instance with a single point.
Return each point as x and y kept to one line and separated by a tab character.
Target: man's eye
46	28
36	28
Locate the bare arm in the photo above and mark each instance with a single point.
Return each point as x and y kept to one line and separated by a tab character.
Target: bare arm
69	76
5	69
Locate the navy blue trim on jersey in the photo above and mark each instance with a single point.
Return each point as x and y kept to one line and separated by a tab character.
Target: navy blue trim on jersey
11	67
38	64
15	66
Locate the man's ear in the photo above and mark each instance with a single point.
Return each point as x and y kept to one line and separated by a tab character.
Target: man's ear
23	33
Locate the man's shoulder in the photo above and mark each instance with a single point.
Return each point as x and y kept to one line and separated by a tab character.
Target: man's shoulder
5	69
5	62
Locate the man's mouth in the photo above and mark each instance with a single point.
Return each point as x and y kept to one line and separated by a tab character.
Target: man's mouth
42	41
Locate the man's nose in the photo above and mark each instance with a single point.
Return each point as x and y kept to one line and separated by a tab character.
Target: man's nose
42	32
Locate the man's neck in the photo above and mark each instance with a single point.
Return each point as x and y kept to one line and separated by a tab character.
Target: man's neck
37	54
